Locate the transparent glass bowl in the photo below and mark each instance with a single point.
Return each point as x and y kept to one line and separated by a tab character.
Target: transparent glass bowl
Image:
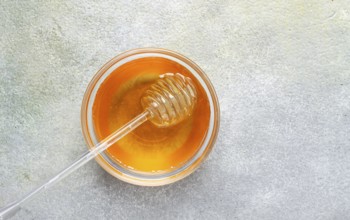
149	179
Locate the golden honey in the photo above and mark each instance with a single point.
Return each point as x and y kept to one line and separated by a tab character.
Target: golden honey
147	148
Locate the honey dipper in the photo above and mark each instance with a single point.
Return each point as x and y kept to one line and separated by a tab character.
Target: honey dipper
168	101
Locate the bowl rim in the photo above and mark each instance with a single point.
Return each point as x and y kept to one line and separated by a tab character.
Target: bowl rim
136	180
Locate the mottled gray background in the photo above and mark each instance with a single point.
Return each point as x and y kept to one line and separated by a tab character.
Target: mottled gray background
282	73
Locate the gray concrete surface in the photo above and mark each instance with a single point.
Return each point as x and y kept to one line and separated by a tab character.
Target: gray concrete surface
282	73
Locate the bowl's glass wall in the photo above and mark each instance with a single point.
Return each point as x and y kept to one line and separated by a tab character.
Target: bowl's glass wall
131	176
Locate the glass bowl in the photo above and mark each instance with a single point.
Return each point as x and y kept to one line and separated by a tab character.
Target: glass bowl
128	175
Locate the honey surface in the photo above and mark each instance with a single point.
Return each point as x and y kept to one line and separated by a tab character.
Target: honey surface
147	148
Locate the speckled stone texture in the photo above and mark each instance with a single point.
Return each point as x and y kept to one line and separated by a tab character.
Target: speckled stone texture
281	70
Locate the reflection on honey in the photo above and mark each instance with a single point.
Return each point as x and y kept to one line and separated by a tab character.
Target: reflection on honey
148	148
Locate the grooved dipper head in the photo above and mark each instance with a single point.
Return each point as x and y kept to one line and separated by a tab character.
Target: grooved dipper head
170	100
